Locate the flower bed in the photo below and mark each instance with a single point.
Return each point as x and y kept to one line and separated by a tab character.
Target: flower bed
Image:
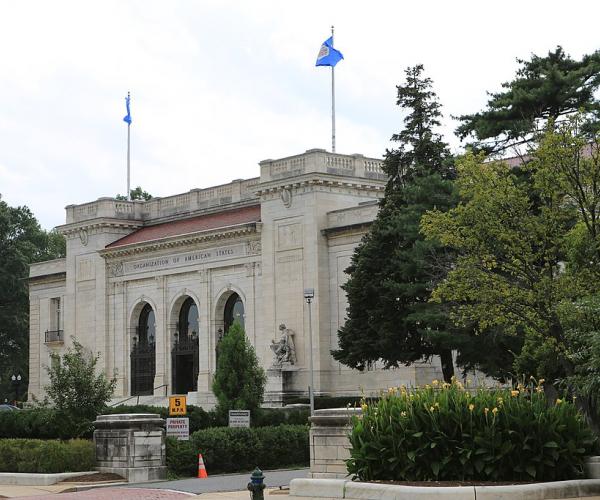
444	432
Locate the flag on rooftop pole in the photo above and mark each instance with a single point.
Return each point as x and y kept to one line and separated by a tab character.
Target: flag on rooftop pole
329	56
127	119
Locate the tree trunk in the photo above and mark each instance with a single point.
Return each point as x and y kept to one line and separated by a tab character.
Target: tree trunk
447	365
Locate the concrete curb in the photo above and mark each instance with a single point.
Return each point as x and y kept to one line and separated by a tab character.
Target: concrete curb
27	479
340	488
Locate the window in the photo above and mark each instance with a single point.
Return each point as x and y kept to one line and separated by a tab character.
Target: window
234	311
188	320
55	315
146	331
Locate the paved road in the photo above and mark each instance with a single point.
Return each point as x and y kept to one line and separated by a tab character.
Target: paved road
226	482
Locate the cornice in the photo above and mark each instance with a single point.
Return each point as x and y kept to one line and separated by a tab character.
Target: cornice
320	179
101	223
225	233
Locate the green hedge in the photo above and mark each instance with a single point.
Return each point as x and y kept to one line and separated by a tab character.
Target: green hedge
34	455
444	432
45	423
227	449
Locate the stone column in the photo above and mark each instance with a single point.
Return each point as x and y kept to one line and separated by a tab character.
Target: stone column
131	445
329	443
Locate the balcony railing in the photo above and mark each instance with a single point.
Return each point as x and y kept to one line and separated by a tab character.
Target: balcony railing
54	336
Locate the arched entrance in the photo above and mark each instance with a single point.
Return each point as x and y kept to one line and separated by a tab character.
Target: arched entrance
184	354
143	353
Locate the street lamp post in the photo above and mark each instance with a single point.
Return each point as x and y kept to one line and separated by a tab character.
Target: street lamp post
309	294
16	380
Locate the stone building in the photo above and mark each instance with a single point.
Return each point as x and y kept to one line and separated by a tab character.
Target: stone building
153	285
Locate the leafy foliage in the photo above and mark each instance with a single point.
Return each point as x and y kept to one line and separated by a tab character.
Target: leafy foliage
528	245
443	432
394	269
77	392
22	242
239	380
545	88
228	449
135	194
37	456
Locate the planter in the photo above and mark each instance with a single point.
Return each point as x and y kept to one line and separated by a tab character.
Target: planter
317	489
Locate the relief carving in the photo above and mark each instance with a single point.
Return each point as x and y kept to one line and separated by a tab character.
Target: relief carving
116	269
253	247
286	197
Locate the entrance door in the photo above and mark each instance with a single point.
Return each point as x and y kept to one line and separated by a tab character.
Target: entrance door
184	358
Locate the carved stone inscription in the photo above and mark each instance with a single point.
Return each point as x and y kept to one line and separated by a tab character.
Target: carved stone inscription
184	259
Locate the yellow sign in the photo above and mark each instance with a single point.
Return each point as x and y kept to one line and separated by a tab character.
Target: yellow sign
177	405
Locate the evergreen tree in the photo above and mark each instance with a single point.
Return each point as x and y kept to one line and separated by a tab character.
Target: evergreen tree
239	381
394	269
545	88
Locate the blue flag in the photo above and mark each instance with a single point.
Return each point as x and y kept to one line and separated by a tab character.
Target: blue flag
128	115
328	56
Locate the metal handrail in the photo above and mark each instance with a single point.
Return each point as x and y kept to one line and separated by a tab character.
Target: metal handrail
138	397
53	336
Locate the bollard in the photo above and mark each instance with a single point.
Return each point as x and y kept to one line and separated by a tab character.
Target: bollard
256	485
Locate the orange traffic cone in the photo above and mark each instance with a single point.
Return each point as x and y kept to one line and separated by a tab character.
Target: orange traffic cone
201	469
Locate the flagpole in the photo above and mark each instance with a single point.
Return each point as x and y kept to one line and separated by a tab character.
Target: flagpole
128	157
332	103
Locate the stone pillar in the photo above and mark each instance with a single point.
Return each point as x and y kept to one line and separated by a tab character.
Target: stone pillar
131	445
329	443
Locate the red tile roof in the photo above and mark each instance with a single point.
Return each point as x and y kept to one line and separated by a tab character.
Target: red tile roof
192	225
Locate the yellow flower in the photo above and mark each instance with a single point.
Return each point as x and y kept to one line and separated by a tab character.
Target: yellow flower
432	408
445	385
495	410
486	410
500	401
403	414
559	401
541	381
471	407
435	383
514	393
538	389
391	390
436	404
574	398
364	406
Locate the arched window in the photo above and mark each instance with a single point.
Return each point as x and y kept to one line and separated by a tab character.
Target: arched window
146	331
234	311
188	320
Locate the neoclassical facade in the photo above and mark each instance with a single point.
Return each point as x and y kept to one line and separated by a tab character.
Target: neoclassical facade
153	285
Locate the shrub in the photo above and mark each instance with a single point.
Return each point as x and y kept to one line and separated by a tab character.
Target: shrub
38	456
226	449
447	433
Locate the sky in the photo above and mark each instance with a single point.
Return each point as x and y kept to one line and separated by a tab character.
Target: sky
218	86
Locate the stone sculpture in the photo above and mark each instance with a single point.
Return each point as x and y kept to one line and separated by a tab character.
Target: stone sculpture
284	349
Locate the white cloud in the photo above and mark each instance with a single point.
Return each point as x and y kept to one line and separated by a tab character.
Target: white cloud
218	86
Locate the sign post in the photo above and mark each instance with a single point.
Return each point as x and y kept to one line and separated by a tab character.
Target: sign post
239	418
177	406
178	427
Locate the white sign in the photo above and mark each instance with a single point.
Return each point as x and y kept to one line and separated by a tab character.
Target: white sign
184	259
239	418
179	428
